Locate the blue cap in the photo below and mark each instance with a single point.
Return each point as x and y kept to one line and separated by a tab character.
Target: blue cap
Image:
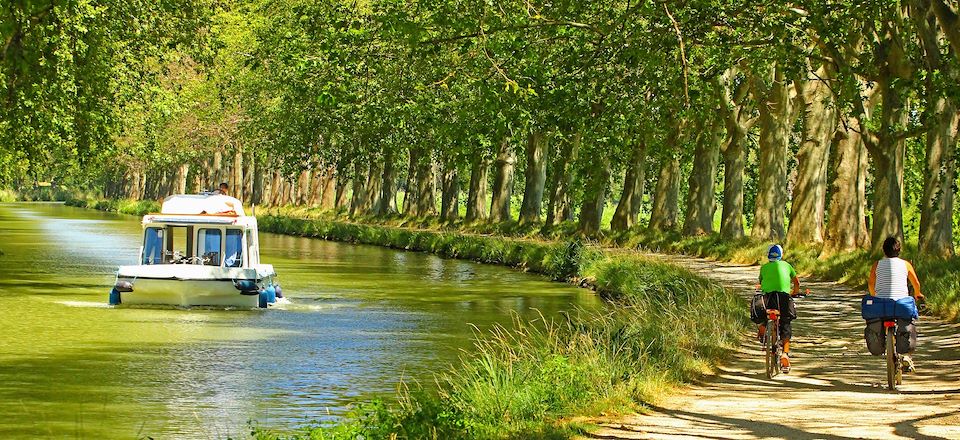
775	253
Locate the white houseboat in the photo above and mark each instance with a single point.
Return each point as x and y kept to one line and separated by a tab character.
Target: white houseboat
200	250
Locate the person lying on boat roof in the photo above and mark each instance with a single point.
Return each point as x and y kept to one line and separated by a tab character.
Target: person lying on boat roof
223	190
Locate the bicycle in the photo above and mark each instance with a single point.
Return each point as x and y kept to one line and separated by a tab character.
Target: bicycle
894	359
772	344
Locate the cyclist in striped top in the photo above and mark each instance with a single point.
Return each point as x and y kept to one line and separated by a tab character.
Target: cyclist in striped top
889	278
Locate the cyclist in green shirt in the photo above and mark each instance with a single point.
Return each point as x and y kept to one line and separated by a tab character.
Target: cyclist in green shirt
777	277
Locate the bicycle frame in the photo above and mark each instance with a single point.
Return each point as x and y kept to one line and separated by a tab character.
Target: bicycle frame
894	362
772	344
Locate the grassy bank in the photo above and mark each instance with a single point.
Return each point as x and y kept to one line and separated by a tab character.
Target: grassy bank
668	326
7	196
132	207
940	277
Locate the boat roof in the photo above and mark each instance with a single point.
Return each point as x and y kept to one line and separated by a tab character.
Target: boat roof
208	209
202	204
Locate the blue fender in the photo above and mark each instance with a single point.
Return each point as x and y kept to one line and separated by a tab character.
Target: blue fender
262	299
271	294
246	287
114	297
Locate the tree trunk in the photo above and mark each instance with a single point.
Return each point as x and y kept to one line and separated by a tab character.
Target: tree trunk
180	181
127	184
477	193
887	152
135	192
701	195
329	199
216	173
358	199
560	207
666	196
277	188
847	228
738	120
248	176
949	22
776	122
425	182
316	185
196	181
166	186
936	216
373	188
595	196
388	189
535	177
450	195
633	186
343	184
258	185
236	180
409	189
503	183
936	208
303	187
813	158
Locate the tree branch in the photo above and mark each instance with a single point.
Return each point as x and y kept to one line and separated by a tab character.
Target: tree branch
683	56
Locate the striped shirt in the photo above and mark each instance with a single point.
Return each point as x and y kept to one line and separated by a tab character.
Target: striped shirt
891	281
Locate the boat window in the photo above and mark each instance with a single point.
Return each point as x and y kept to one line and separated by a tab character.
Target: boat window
153	246
234	248
209	241
178	245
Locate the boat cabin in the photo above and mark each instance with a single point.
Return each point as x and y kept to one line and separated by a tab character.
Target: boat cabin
204	229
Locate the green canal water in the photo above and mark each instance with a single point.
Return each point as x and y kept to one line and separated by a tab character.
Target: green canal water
362	320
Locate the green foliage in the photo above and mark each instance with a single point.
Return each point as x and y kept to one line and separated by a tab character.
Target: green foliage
132	207
7	196
68	68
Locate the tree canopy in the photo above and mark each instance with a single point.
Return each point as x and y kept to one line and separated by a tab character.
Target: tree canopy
818	122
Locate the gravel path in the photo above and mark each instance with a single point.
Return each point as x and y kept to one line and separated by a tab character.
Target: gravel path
833	392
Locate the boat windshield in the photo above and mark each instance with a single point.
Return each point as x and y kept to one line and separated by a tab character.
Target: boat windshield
153	246
234	248
209	241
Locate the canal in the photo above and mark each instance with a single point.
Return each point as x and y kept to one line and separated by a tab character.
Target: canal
362	321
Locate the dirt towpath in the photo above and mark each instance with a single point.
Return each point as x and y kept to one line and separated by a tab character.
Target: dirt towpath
833	392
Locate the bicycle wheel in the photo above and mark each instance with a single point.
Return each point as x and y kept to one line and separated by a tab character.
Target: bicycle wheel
771	348
891	358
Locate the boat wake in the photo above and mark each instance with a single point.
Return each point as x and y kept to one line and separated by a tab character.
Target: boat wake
86	304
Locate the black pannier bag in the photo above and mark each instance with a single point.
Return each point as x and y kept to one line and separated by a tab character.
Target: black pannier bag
758	309
875	337
906	336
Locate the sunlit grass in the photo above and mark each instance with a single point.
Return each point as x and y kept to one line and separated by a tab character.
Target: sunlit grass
7	196
124	206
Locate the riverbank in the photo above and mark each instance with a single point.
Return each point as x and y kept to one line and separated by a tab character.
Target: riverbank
131	207
940	277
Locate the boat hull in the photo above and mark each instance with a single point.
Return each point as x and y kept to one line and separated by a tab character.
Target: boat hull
186	285
188	293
